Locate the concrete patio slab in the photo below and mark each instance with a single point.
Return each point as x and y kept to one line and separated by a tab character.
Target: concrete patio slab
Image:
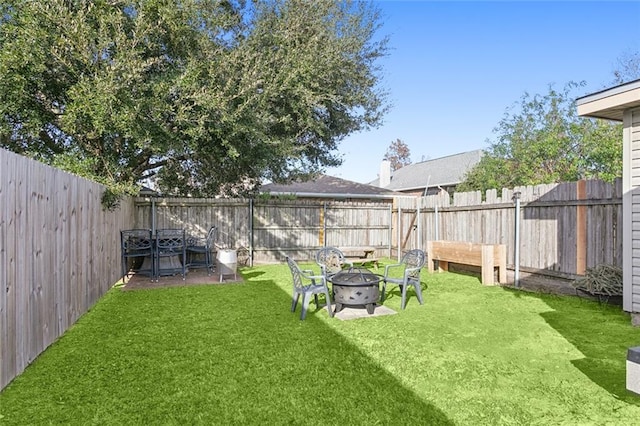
194	277
355	312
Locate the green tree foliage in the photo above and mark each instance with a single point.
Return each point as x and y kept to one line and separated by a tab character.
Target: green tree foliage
204	96
398	154
542	140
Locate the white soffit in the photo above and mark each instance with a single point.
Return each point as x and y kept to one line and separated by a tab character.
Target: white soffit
610	104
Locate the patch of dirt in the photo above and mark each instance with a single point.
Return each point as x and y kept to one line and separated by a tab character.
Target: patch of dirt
539	283
543	284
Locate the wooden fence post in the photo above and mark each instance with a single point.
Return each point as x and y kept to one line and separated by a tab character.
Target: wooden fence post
581	228
323	226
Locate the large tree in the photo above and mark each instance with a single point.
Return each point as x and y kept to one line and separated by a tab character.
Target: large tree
204	96
542	140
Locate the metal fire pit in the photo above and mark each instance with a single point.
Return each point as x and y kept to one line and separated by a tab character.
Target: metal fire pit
356	286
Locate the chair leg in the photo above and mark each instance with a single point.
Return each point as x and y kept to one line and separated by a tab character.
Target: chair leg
305	306
326	295
184	265
155	268
384	291
403	287
418	291
294	301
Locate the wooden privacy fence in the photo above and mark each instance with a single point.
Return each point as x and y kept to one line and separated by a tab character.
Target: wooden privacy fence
59	253
564	228
267	231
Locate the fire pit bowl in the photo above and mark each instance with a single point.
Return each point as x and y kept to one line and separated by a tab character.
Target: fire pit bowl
356	286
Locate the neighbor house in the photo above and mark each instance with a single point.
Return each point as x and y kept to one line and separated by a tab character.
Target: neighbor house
430	176
622	103
331	188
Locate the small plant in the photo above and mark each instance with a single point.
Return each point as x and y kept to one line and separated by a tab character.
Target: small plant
601	280
114	193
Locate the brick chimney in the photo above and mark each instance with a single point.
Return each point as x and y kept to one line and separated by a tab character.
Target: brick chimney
385	174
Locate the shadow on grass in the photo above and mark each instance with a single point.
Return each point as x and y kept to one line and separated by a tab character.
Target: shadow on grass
320	377
209	355
394	290
248	274
601	332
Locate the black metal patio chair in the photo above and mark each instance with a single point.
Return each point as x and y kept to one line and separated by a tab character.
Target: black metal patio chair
203	247
170	253
136	244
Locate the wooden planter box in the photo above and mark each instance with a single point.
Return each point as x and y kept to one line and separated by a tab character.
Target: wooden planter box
486	256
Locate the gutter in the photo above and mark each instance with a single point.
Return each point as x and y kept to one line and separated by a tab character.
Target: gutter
429	186
337	195
605	93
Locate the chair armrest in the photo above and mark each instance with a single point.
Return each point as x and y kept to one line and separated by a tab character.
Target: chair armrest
307	273
348	263
319	278
387	267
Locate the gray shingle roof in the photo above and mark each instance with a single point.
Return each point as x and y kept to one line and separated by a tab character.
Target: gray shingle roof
443	171
328	185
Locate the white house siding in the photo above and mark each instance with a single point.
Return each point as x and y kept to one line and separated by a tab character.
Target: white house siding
631	243
622	103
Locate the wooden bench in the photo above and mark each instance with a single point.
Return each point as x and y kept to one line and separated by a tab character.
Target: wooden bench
360	255
486	256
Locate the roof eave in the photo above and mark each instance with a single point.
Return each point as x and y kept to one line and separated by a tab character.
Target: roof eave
427	186
610	104
335	195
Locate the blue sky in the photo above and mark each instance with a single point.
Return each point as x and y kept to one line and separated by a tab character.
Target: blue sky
455	67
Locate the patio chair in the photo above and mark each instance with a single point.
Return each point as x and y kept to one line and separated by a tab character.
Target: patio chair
202	246
412	263
331	261
307	285
136	244
170	253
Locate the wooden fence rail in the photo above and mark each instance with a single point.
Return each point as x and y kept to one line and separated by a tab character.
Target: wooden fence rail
60	251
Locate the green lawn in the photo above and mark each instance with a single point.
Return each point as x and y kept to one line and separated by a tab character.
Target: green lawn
235	354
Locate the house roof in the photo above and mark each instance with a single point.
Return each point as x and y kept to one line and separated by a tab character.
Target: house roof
443	171
611	103
330	187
